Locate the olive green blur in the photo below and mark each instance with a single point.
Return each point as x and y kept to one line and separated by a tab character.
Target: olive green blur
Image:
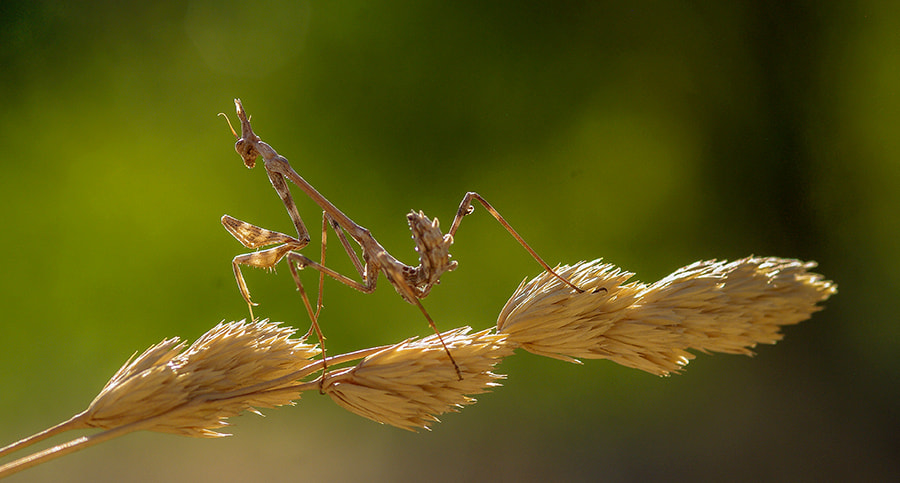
652	134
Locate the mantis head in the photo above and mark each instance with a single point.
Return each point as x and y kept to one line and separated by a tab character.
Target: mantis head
246	144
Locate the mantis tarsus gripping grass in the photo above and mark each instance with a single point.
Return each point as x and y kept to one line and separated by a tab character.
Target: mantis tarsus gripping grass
412	283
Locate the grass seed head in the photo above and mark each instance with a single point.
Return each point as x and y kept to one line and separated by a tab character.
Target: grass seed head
706	306
411	383
179	386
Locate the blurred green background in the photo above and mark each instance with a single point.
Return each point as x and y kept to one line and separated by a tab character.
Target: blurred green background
653	135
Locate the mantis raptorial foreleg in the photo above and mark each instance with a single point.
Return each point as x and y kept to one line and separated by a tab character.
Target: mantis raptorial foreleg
252	236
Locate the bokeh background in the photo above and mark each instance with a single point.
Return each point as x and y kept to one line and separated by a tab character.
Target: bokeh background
652	134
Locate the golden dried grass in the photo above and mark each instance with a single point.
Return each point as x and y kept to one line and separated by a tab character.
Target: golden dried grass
240	366
228	358
706	306
409	384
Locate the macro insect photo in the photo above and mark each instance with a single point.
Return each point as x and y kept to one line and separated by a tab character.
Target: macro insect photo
476	242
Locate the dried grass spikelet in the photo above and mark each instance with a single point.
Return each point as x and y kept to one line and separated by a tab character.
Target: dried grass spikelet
227	358
706	306
409	384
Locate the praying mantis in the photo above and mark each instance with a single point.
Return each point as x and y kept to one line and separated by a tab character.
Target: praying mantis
413	283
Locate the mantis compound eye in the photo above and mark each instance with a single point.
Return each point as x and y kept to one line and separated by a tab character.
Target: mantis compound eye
245	149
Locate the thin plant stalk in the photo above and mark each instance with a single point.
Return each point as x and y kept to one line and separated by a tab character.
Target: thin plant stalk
75	422
72	446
